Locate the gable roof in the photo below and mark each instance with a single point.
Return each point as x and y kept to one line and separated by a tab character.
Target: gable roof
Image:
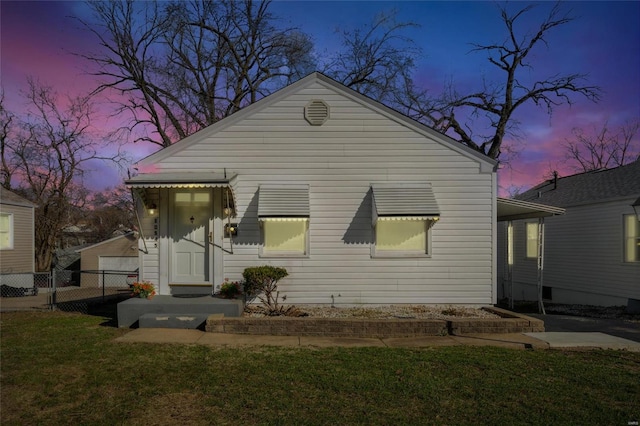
317	77
129	235
13	199
589	187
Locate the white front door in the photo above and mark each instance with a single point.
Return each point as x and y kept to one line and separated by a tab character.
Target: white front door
191	254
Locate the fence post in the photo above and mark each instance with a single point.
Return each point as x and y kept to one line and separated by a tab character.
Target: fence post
54	291
103	285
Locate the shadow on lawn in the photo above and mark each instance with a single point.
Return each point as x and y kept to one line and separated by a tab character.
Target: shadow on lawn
108	310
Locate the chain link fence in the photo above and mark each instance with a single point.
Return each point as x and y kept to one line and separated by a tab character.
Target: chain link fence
75	291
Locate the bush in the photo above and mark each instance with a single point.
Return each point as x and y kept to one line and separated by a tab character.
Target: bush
230	289
262	281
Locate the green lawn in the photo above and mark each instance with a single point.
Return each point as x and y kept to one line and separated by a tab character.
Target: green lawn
61	368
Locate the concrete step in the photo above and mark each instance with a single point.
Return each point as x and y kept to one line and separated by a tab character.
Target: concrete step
175	320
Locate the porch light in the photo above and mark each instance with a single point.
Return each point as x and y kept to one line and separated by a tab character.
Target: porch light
230	230
192	219
636	208
228	211
153	209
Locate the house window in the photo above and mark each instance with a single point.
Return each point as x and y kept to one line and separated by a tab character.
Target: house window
401	236
6	231
283	212
285	236
532	240
631	238
403	214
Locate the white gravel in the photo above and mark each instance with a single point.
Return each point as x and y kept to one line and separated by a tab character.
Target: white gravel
386	312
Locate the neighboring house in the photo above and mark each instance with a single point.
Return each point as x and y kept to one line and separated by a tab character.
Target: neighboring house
359	203
592	253
109	262
16	239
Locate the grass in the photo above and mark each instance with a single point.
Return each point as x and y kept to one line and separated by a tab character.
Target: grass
63	368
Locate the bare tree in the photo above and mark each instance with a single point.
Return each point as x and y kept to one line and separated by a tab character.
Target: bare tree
604	147
377	60
491	108
110	211
7	121
48	153
181	66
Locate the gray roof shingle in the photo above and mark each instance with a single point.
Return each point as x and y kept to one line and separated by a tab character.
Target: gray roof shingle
588	187
11	198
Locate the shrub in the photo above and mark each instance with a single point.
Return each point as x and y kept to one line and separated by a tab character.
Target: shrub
262	281
230	289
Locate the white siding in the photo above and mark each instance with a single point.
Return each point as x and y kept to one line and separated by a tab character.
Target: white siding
339	160
584	255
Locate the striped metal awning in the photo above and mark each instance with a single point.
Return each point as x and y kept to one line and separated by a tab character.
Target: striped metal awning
404	201
179	180
283	201
141	183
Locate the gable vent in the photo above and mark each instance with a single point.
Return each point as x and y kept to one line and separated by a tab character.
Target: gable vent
316	112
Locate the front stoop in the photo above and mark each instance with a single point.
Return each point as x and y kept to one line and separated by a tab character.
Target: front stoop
131	311
509	322
175	320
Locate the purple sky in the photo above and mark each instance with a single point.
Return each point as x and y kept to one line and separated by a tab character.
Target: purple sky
37	39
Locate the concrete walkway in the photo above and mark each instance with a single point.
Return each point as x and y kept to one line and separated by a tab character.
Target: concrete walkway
185	336
558	340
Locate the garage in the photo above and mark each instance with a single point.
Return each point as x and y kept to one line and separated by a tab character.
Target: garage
110	263
114	271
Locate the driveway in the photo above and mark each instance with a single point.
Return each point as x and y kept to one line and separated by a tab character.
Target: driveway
567	323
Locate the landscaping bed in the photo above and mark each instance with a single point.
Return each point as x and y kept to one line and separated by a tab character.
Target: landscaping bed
392	321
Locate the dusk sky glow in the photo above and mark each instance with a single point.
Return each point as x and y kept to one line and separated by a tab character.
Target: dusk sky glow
39	38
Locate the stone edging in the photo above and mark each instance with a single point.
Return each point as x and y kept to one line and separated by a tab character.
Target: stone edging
357	327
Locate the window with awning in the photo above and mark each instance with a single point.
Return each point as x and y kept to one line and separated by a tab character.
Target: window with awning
403	214
283	212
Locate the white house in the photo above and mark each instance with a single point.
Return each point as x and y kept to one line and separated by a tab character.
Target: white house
592	253
359	203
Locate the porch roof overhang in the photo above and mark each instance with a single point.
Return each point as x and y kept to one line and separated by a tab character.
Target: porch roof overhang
179	180
404	201
509	209
143	182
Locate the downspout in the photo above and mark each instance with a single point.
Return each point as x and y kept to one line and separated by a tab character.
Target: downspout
540	264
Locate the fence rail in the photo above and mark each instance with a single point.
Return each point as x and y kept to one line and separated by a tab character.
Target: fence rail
64	290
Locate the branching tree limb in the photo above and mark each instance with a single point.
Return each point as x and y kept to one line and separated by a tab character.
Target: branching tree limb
604	147
497	102
377	60
47	153
181	66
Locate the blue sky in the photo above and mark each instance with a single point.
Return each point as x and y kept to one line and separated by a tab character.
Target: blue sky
37	39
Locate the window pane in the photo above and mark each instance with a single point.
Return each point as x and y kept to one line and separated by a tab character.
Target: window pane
532	240
285	236
183	197
401	235
201	198
632	239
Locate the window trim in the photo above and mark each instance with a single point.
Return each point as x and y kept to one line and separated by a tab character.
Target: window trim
426	253
626	237
262	253
10	231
